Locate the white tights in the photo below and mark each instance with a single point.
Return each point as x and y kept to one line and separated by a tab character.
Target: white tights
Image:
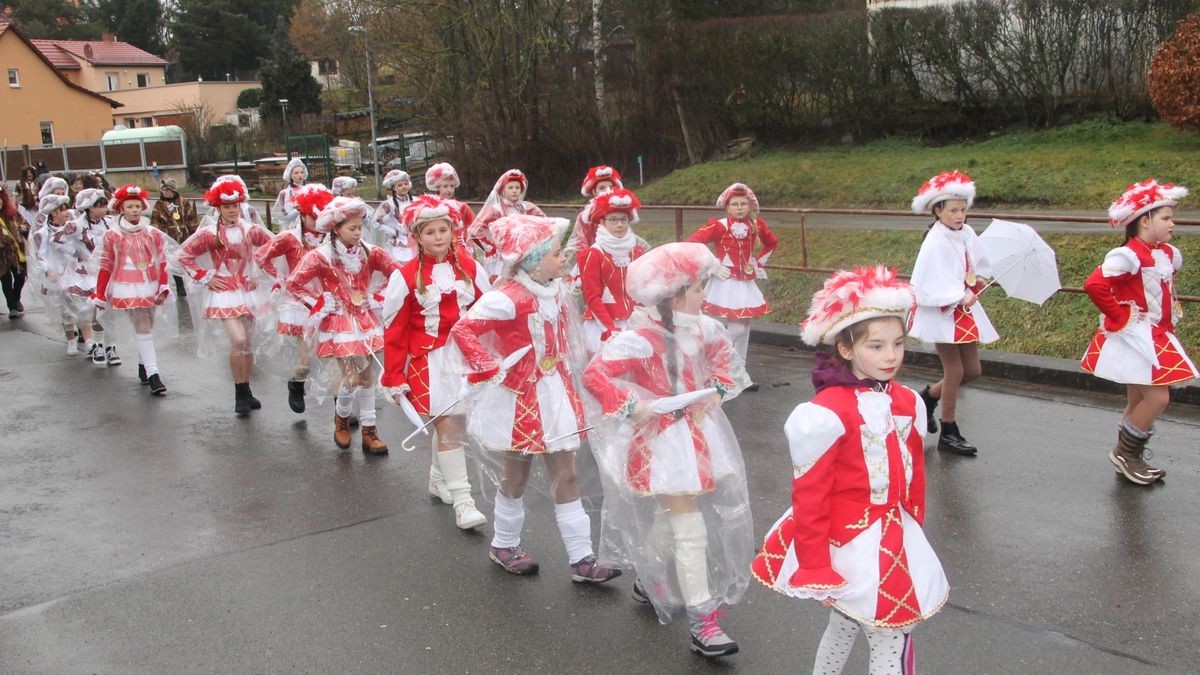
891	648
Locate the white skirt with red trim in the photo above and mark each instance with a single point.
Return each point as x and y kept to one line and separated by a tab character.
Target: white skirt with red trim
734	299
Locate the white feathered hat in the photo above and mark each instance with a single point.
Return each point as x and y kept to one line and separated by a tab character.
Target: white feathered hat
395	176
663	271
945	185
341	184
87	198
440	173
338	210
292	164
850	297
51	202
52	183
1142	197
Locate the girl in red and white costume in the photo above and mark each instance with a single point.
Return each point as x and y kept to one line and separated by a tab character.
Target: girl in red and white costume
421	303
442	180
600	180
346	329
294	176
734	295
675	482
219	258
387	220
603	266
506	199
947	275
292	245
133	277
1135	345
532	409
852	539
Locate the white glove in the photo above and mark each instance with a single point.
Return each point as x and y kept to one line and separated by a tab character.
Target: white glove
723	272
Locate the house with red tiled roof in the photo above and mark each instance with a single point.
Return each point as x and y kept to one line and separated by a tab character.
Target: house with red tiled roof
40	104
104	65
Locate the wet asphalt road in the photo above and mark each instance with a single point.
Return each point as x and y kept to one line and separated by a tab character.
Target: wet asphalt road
143	535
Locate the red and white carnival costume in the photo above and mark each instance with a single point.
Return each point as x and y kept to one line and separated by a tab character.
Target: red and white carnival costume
342	312
386	221
536	399
418	324
602	269
1134	288
133	261
950	263
63	258
497	207
854	531
292	245
737	297
443	173
225	253
285	203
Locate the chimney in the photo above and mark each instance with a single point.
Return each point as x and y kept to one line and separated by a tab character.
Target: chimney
108	37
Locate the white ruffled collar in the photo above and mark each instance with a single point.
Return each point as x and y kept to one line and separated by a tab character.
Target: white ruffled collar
350	258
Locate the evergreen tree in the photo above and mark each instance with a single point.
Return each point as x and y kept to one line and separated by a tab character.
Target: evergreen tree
215	37
138	22
285	74
55	19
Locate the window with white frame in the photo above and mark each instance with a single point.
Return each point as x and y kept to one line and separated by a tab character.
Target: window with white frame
114	81
47	133
14	78
143	80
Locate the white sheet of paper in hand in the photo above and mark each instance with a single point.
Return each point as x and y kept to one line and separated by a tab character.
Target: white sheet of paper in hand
672	403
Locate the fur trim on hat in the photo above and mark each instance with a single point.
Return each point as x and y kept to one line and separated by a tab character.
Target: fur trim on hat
126	193
663	271
341	184
441	173
944	186
426	208
850	297
225	192
52	183
738	190
598	174
395	176
88	198
51	203
338	210
1141	198
617	201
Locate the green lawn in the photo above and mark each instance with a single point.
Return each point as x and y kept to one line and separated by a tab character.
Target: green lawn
1083	166
1061	327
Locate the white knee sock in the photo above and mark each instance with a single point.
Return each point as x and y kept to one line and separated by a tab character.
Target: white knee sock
345	401
454	465
739	334
365	397
508	519
836	644
890	651
146	354
691	558
575	528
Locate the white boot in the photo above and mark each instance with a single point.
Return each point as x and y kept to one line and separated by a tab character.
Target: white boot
437	483
454	468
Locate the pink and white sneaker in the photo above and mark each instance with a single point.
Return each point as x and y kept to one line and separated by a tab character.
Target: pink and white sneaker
514	560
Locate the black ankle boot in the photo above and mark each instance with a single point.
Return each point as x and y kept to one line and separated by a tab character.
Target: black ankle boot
241	398
142	374
296	395
952	441
255	404
930	405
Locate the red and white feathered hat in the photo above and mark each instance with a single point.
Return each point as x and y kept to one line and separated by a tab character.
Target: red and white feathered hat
395	176
225	190
1142	197
663	271
945	185
127	193
426	208
850	297
440	173
338	210
510	176
518	237
311	198
617	201
598	174
738	190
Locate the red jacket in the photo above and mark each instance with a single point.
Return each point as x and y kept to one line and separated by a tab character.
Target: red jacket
603	283
735	241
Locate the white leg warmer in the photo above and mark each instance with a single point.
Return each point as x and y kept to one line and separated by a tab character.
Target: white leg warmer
739	333
691	558
345	401
365	397
146	354
576	529
507	521
435	468
836	644
454	466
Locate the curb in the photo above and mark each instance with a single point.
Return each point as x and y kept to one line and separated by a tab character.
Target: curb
1004	365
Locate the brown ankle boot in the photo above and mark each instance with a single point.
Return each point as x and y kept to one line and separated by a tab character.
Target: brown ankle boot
1127	457
371	445
341	431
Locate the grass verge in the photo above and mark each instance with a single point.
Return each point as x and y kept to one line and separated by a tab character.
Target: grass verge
1082	166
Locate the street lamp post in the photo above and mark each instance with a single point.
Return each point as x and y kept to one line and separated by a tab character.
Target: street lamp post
359	30
283	105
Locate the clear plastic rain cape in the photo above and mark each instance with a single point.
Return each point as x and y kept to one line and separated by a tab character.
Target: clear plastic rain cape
676	509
